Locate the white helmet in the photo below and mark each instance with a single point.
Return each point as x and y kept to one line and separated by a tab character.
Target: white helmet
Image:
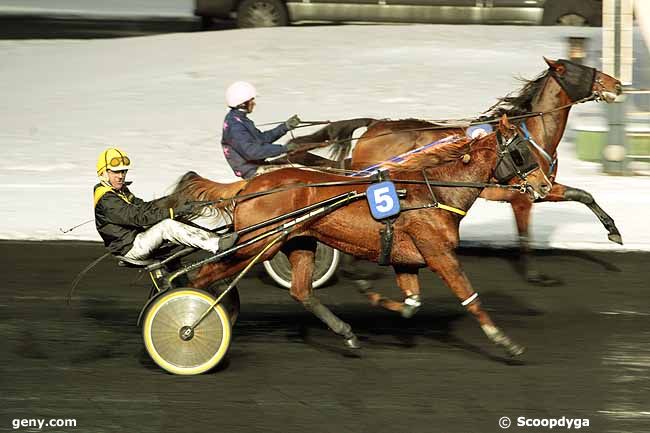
239	92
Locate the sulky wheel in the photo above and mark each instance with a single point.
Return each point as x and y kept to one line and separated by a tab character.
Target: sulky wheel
326	262
175	347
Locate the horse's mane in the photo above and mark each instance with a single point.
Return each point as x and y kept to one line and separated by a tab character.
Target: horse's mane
434	155
519	103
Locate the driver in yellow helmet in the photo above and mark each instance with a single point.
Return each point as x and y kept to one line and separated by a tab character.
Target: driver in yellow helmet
132	227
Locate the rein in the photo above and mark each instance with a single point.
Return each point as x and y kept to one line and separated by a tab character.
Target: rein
473	122
371	179
303	123
448	184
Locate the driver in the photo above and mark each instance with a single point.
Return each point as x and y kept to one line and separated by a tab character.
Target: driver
245	146
132	227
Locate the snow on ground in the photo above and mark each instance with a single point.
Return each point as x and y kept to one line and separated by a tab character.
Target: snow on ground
160	98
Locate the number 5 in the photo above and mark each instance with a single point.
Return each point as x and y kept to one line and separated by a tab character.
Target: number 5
383	200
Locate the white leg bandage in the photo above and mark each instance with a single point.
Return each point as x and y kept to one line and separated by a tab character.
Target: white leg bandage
469	300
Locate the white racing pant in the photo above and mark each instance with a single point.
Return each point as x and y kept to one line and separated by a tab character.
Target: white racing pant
175	232
212	219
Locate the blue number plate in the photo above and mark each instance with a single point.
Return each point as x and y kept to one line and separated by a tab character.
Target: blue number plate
383	200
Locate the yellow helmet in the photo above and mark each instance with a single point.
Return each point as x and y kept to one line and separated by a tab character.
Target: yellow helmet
113	159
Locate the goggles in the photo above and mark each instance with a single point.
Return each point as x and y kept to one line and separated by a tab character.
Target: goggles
118	161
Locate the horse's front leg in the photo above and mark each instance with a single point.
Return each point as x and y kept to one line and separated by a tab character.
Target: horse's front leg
561	192
302	266
446	265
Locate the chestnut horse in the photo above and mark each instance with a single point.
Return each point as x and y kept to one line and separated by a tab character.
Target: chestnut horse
423	236
543	104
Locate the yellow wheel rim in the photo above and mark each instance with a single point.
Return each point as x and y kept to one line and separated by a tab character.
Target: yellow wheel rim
162	326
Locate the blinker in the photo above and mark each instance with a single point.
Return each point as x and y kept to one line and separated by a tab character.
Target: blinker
515	159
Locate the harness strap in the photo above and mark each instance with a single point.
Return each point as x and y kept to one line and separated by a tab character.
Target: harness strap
551	160
451	209
386	236
446	184
435	203
437	206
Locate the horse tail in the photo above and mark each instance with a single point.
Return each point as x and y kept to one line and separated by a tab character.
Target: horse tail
342	135
339	133
193	187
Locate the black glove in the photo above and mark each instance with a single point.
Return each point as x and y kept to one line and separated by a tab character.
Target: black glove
292	122
187	208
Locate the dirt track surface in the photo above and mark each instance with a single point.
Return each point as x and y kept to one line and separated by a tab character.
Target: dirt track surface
588	346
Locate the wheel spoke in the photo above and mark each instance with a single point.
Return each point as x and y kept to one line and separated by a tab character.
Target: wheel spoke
169	316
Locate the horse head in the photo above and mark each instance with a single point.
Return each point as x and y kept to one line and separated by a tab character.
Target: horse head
582	82
517	163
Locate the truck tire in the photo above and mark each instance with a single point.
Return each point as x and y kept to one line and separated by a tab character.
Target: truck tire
262	13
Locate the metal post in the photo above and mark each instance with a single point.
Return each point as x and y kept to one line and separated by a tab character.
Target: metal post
577	49
617	61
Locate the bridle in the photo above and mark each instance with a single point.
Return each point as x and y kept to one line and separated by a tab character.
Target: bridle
578	83
515	158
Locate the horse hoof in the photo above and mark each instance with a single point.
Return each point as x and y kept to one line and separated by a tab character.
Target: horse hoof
541	279
362	285
411	306
409	311
353	342
615	237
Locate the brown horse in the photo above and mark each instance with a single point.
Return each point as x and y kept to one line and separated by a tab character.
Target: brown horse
545	102
423	236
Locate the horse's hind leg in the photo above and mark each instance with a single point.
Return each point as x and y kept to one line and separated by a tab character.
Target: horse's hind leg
521	207
361	278
379	300
446	265
302	265
407	280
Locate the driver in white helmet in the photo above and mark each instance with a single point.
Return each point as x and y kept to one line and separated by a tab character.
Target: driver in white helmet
133	228
245	146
